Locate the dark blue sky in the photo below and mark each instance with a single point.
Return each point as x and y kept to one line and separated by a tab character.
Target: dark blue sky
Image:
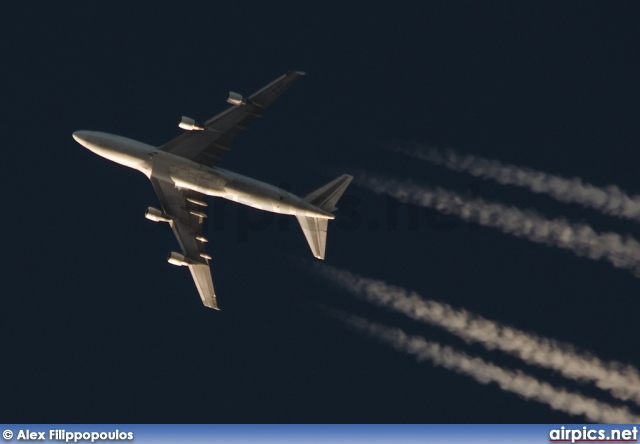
97	327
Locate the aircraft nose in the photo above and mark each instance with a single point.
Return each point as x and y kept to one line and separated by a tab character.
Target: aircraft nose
90	140
81	137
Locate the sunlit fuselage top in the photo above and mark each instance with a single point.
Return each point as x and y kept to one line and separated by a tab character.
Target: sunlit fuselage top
187	174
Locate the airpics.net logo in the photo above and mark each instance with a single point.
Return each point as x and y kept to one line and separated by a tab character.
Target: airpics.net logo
354	214
588	434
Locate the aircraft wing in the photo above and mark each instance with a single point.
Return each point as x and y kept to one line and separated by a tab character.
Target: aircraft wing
188	228
207	146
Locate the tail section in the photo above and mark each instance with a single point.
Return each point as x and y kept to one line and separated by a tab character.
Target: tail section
315	230
325	198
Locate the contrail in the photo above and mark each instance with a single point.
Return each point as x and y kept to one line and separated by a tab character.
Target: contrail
608	200
484	372
621	381
622	252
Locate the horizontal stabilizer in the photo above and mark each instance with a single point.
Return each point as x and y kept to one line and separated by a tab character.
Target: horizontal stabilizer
324	198
327	196
315	230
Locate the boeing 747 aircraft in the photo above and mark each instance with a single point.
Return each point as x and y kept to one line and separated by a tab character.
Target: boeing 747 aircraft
183	172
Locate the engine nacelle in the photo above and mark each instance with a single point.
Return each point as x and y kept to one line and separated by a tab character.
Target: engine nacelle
156	215
236	99
178	259
187	123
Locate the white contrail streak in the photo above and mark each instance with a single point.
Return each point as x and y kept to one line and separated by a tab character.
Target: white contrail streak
484	372
608	200
621	381
622	252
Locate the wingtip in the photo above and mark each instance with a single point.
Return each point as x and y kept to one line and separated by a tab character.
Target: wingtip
211	303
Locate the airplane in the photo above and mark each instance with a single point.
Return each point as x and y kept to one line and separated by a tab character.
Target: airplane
184	172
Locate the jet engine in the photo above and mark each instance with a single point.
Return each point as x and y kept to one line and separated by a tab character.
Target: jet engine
178	259
236	99
156	215
187	123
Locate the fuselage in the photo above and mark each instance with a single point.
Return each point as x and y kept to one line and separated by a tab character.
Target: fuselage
186	174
